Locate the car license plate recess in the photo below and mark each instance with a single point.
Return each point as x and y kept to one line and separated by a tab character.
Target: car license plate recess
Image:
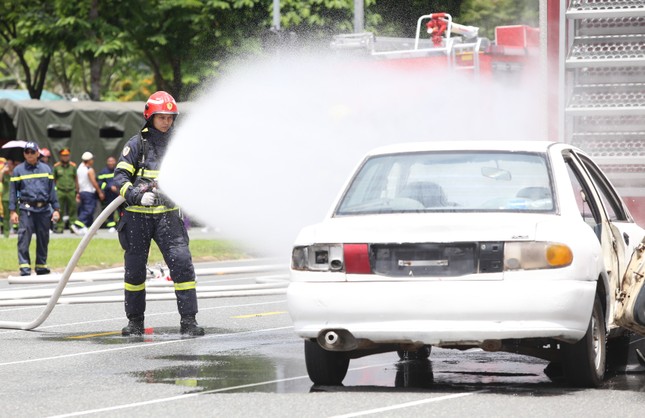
437	259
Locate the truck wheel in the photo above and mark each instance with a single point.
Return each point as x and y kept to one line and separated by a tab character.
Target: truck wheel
422	353
584	361
325	367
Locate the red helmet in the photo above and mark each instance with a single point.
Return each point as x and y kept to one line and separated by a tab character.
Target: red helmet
162	103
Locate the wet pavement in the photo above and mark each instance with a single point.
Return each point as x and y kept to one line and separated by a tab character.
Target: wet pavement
251	363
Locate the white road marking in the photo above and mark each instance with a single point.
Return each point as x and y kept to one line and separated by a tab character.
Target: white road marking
194	394
122	318
140	345
407	404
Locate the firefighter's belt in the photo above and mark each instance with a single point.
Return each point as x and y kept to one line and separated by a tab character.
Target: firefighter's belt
34	204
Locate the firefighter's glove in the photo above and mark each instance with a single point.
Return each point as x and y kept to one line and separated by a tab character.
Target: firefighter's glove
148	199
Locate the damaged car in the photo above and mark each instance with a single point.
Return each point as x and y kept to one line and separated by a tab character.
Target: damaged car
517	246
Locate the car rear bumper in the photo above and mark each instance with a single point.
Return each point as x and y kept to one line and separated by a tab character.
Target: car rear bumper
443	312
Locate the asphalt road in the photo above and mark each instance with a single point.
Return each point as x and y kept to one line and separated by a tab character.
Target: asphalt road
250	363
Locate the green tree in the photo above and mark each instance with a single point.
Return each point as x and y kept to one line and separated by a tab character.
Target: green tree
91	45
28	28
182	42
320	19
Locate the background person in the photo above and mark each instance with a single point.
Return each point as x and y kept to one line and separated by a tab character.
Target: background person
5	175
105	179
45	155
67	191
150	215
33	191
89	189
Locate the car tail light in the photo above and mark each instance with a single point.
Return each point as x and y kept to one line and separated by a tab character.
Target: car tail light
536	255
357	259
318	257
351	258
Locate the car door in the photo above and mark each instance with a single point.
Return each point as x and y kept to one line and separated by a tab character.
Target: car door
594	215
630	306
629	301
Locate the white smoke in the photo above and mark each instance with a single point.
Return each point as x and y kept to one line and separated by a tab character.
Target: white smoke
266	150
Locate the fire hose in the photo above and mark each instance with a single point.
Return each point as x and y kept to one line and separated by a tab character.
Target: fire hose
268	285
71	265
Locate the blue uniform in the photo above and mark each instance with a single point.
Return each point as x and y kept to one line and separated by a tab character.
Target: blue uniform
32	190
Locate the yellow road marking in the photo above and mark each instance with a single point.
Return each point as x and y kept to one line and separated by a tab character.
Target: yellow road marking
260	314
100	334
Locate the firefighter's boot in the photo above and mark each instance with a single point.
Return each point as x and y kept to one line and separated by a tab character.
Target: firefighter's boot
134	327
188	326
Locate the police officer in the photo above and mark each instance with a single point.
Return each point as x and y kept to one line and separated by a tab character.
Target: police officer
67	190
148	215
32	190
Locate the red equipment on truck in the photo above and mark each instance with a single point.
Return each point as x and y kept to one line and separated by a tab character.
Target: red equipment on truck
514	52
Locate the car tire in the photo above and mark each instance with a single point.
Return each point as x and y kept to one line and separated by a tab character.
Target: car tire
325	367
585	361
422	353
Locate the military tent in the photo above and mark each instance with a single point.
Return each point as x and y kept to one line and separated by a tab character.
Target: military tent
99	127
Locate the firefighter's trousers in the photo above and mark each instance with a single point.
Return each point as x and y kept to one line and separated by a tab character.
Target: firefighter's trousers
33	222
136	230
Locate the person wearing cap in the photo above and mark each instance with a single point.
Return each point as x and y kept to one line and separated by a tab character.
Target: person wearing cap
67	190
33	192
150	215
88	190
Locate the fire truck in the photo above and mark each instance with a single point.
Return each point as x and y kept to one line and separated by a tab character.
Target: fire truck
590	54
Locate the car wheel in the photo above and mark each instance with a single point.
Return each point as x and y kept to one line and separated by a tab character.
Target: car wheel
584	361
422	353
325	367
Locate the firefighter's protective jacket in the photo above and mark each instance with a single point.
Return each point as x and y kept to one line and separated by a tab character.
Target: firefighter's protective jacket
138	168
32	187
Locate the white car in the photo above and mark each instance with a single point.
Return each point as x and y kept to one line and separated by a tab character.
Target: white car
508	246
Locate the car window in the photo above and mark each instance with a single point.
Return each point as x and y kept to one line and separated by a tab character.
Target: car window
587	206
450	181
610	200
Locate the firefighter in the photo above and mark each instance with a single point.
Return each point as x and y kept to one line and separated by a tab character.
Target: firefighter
32	190
67	190
149	215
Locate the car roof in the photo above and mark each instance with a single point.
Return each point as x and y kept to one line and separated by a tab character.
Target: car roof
519	145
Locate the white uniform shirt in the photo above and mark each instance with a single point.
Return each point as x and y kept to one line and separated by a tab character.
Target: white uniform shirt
84	183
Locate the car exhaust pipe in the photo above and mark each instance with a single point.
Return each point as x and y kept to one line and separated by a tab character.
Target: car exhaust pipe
331	338
337	340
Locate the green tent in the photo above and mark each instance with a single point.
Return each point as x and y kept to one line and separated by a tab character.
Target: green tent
102	128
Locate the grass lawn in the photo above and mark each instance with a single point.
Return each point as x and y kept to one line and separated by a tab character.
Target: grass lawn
106	253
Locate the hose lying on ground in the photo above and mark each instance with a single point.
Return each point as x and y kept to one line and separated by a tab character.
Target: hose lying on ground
71	265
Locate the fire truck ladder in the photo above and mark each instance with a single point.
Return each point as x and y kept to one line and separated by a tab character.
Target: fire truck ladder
605	87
